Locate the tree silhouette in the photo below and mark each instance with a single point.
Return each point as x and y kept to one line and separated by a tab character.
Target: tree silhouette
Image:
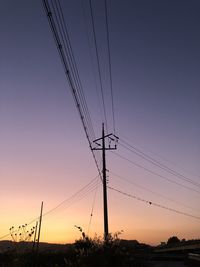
174	240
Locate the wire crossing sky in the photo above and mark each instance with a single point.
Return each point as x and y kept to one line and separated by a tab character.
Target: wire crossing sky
153	203
148	58
77	196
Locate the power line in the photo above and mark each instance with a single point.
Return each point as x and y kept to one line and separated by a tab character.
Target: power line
84	190
62	29
62	41
153	192
92	210
74	69
161	157
98	64
79	195
4	236
109	61
69	205
79	198
155	173
71	59
153	161
85	16
154	203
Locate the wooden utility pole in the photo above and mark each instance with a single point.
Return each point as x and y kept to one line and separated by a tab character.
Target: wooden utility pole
35	259
40	223
107	141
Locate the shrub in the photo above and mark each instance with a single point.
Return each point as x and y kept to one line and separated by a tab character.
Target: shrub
99	253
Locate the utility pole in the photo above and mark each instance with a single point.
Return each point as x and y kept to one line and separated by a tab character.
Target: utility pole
107	144
35	259
40	224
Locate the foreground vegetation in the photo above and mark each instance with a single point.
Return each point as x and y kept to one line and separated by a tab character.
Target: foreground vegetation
88	252
85	252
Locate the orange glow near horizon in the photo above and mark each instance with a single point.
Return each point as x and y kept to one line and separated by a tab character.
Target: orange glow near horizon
138	222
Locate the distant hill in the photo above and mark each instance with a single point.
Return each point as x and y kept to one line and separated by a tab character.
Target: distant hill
134	244
10	246
7	246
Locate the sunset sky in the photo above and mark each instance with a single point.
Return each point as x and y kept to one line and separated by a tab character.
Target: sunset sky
44	153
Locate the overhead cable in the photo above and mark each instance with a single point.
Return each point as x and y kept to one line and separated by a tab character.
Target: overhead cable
154	203
85	16
153	161
92	210
155	173
64	54
79	195
109	62
61	23
84	190
98	64
153	192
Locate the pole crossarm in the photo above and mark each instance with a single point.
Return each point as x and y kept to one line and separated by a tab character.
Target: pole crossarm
105	148
110	138
108	135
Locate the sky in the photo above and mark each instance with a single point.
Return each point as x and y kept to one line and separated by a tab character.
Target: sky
44	153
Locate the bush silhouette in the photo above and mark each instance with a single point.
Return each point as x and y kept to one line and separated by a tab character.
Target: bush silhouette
174	240
97	252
